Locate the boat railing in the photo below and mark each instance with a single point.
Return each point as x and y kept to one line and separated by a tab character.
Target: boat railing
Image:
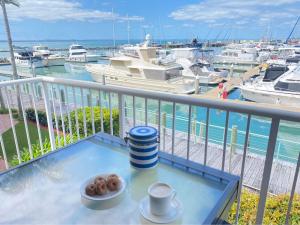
59	98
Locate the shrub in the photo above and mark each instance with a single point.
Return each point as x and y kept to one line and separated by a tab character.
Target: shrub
275	212
30	114
3	111
97	120
37	151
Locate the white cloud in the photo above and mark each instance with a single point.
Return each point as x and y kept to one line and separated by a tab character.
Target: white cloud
54	10
187	25
246	11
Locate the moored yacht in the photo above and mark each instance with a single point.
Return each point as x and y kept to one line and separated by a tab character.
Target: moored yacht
48	58
237	56
138	67
77	53
194	64
279	85
26	59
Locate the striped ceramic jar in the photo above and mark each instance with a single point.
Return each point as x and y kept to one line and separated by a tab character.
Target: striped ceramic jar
143	147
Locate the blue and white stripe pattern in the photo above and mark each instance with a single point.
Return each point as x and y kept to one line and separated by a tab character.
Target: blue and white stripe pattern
143	147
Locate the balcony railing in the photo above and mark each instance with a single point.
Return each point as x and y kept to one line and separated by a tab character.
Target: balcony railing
58	97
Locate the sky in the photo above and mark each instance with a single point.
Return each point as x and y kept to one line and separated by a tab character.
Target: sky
163	19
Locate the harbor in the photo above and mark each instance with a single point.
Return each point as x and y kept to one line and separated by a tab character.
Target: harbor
112	112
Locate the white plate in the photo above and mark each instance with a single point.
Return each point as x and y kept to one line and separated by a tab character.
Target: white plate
99	198
175	212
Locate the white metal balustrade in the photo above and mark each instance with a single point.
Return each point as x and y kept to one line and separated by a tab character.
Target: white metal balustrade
58	97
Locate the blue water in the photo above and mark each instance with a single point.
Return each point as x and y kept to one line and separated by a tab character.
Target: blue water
288	144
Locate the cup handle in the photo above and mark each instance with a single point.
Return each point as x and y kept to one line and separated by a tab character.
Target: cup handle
173	198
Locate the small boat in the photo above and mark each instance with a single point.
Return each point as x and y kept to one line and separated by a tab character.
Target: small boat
48	58
26	59
77	53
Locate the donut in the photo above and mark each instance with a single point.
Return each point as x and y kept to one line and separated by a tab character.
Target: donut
99	178
101	188
113	183
112	175
90	189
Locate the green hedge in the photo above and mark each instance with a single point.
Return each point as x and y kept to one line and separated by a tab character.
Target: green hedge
275	212
14	112
30	114
37	151
97	120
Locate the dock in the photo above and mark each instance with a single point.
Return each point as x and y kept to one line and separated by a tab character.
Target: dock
232	82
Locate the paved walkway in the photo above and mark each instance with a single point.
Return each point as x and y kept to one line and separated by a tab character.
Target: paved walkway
5	123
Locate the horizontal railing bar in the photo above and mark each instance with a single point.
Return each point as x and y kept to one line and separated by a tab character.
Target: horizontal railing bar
232	106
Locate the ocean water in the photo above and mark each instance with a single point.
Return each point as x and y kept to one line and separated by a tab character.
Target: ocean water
287	147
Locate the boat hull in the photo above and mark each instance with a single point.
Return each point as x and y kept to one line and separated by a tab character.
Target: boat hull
28	64
270	97
103	73
59	61
83	58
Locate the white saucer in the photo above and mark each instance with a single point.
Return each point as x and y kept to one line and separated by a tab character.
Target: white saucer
175	212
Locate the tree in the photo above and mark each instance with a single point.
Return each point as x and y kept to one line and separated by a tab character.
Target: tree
10	46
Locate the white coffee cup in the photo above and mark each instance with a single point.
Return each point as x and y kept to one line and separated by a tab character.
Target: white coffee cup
161	196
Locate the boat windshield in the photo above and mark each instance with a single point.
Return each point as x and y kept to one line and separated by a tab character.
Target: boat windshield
273	73
288	86
42	48
77	47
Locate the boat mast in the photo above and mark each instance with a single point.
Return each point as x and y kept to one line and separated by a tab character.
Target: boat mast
128	30
292	30
113	28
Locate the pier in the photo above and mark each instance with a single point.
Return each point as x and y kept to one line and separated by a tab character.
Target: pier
232	82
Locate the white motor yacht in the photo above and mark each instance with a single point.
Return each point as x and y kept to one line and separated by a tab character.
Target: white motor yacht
77	53
279	85
48	58
194	64
237	56
138	67
26	59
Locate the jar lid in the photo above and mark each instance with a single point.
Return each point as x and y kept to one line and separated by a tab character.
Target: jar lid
143	132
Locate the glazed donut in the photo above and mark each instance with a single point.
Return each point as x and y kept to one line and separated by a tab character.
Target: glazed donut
90	189
101	188
113	183
112	175
99	178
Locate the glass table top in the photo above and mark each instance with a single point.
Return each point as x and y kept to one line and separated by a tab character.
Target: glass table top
48	190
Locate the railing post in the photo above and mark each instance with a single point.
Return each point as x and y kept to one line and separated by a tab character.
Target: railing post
201	132
232	144
194	130
164	123
267	170
287	218
121	115
45	94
